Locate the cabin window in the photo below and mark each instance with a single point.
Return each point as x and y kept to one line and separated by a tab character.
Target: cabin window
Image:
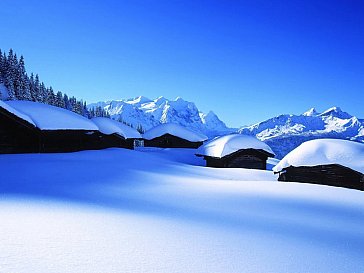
138	143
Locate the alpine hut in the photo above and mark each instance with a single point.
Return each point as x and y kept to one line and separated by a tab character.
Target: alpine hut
170	135
333	162
236	151
37	127
116	134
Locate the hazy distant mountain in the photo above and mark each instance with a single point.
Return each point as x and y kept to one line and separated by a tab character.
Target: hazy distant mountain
285	132
149	113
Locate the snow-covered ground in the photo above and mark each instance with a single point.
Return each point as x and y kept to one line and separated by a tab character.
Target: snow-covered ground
118	210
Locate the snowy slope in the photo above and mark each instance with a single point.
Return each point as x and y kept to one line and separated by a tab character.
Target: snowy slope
323	152
285	132
126	211
149	113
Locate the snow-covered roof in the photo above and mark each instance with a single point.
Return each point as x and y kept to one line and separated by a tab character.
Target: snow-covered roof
225	145
48	117
109	126
175	130
10	109
323	152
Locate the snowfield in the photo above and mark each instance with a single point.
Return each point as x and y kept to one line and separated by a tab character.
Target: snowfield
118	210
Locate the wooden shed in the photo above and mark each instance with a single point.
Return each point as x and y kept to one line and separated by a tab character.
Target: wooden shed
116	134
49	128
170	135
236	151
332	162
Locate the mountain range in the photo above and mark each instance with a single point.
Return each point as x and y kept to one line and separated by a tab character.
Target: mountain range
285	132
282	133
147	113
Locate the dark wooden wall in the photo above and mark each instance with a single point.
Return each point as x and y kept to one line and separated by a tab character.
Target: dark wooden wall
170	141
69	140
117	141
247	158
332	175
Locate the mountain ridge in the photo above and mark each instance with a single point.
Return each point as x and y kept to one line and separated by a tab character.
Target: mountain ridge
147	113
285	132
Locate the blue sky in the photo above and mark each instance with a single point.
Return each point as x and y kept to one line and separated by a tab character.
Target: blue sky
245	60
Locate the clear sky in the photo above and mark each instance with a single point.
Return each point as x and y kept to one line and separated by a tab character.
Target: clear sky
245	60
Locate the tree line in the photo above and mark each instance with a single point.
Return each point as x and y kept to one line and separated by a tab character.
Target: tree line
21	86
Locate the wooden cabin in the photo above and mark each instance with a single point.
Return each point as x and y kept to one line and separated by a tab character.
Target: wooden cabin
116	134
331	175
171	135
236	151
35	127
244	158
332	162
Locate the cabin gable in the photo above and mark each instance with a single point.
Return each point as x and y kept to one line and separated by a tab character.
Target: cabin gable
17	135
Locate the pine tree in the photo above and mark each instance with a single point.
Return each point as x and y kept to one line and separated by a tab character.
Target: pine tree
59	100
43	93
67	104
1	67
37	89
51	98
32	88
25	88
140	129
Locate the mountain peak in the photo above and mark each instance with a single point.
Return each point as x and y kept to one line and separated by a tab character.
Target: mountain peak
336	112
310	112
139	99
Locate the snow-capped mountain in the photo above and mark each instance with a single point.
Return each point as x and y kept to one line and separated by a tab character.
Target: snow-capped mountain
142	111
285	132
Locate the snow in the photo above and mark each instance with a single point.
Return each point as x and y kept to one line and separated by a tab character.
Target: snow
175	130
225	145
118	210
7	107
323	152
47	117
108	126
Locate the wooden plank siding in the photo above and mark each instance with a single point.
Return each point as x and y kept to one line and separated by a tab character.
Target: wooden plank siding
331	175
244	158
170	141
